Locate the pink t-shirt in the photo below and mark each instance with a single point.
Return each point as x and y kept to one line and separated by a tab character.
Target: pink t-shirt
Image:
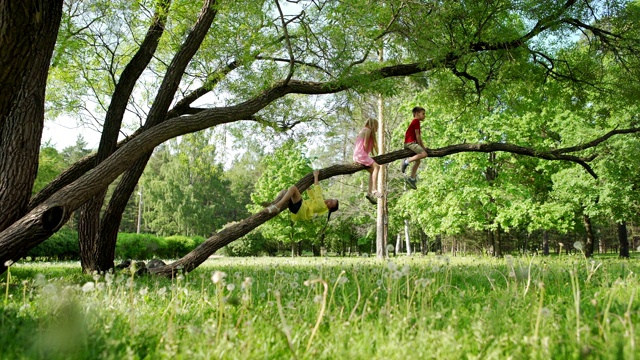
410	135
361	151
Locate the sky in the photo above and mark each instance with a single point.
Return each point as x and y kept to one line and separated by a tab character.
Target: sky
64	132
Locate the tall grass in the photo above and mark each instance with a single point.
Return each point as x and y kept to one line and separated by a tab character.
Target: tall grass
328	308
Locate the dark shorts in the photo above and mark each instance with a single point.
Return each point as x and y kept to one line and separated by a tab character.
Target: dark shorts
295	207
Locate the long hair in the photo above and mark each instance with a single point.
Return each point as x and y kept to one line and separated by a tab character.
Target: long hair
372	124
328	218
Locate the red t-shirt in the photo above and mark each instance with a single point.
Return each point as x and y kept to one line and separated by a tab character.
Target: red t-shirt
410	135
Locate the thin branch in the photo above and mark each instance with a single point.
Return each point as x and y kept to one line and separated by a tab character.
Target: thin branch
596	142
288	42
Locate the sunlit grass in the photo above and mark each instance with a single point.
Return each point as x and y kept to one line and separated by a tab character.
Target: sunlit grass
307	308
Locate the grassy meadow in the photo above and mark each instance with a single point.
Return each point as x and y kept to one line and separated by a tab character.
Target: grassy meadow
431	307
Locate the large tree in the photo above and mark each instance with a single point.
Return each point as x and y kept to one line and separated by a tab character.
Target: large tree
258	53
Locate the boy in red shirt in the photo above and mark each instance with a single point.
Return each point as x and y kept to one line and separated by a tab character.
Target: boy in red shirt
413	141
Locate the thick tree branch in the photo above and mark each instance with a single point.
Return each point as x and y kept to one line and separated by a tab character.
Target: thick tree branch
239	229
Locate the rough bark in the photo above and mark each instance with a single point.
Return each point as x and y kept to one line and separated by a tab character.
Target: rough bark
623	238
108	231
590	243
96	249
28	31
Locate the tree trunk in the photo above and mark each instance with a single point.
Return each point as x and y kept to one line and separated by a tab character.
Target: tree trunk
545	242
498	237
590	243
97	243
98	237
28	31
406	237
381	215
424	247
624	240
492	242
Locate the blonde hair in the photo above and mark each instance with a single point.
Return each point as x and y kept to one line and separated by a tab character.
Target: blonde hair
372	124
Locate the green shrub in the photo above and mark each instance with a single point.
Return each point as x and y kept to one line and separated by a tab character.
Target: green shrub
62	245
139	246
252	244
178	246
146	246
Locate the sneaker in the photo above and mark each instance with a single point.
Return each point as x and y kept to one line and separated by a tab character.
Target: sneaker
272	209
404	166
371	199
411	182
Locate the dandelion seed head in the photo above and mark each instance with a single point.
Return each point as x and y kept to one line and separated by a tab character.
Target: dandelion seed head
49	289
343	280
41	280
405	269
218	276
392	266
89	286
246	284
578	245
509	260
545	312
8	263
390	248
231	286
162	291
144	291
317	299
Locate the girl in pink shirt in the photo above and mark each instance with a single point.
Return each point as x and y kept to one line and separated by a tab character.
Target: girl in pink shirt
365	145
